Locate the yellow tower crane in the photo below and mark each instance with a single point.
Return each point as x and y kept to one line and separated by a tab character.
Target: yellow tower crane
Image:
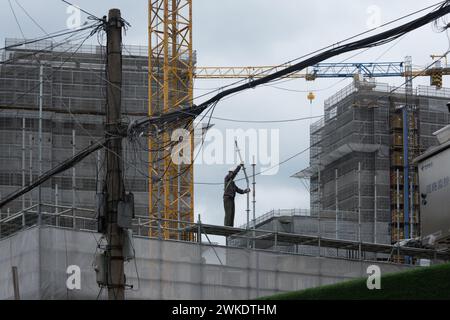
170	87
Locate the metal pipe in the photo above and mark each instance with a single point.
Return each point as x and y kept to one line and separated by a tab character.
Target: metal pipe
31	168
73	180
398	205
98	186
375	209
337	200
319	189
254	200
411	218
41	92
406	171
178	200
319	233
56	205
160	208
0	214
23	169
248	183
199	230
15	276
139	226
359	209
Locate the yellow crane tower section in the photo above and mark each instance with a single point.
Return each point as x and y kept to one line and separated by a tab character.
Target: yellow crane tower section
170	87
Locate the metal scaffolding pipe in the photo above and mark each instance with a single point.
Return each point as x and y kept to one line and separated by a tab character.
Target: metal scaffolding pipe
375	209
41	92
411	217
57	204
398	205
254	199
359	209
337	200
31	167
73	179
23	167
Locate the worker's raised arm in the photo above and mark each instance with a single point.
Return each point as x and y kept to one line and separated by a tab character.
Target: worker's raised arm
236	171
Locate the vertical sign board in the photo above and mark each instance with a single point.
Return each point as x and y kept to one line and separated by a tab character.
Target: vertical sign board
434	184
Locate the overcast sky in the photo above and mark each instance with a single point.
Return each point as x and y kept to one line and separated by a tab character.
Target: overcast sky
257	32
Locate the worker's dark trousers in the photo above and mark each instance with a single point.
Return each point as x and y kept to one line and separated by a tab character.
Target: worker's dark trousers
228	204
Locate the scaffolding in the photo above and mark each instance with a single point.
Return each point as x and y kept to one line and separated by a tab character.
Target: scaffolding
73	90
357	148
327	224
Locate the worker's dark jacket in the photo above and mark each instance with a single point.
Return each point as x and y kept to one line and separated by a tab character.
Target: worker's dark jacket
230	186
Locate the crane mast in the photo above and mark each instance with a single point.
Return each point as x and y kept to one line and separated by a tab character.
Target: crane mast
170	79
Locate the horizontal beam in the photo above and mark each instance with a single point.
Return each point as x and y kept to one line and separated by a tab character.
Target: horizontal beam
321	70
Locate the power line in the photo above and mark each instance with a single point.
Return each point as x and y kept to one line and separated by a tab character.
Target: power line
82	10
263	171
370	42
34	53
15	18
29	16
322	49
51	36
315	90
267	121
307	149
53	72
336	44
67	164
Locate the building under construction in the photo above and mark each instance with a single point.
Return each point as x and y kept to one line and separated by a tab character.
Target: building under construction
59	89
361	158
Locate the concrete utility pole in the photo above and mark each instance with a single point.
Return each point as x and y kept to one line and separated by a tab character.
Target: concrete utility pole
114	187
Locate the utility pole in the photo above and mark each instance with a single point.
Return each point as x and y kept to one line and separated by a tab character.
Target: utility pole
114	187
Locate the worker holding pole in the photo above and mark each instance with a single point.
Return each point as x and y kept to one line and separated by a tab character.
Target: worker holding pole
230	193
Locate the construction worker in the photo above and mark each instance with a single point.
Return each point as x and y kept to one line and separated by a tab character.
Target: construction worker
230	193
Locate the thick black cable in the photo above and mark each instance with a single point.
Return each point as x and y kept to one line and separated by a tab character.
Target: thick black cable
15	18
65	165
53	72
82	10
50	36
46	49
30	17
372	41
439	4
375	40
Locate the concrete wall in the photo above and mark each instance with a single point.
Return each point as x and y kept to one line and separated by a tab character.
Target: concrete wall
167	269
